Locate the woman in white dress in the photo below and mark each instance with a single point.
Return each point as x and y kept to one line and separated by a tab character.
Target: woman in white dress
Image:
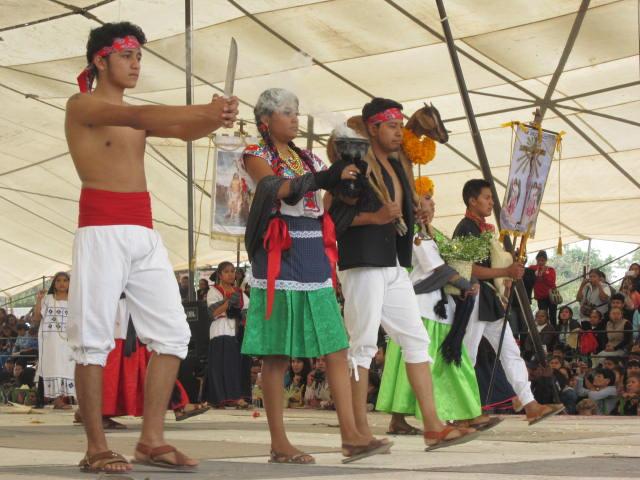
55	366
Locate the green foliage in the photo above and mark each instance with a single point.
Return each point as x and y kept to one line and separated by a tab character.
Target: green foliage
571	264
468	248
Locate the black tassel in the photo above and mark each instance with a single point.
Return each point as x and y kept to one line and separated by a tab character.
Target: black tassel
441	307
451	347
131	342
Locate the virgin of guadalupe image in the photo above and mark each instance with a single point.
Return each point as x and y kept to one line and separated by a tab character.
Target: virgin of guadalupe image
513	197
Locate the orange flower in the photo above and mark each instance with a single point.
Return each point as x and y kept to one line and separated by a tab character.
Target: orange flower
419	150
424	185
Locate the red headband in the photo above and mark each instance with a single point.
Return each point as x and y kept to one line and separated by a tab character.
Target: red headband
385	116
86	77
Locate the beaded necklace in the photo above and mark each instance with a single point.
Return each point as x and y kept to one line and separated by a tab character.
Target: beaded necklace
294	162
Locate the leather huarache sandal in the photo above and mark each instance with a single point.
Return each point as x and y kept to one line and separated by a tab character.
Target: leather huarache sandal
153	459
296	459
484	426
440	440
547	411
405	431
358	452
198	409
99	463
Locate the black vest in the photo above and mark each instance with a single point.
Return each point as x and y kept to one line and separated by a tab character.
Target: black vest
379	245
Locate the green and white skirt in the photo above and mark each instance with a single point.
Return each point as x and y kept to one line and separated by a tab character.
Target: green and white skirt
305	318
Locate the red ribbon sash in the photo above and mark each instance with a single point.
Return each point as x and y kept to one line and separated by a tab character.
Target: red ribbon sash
330	245
276	240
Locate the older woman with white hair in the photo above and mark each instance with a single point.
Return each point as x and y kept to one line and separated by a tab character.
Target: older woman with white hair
291	244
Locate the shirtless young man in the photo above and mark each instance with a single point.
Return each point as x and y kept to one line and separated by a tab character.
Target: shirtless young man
115	247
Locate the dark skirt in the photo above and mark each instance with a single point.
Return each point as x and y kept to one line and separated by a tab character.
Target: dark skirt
502	390
224	385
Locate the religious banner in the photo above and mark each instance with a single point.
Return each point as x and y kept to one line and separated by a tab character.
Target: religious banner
232	189
533	152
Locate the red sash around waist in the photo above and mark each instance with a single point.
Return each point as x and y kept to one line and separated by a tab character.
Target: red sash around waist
102	207
277	240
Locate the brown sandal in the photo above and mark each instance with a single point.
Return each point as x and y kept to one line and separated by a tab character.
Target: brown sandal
102	459
405	431
547	411
152	459
441	440
109	423
297	459
183	414
484	426
358	452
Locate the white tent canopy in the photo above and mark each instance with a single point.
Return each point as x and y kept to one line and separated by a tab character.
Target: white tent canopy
334	54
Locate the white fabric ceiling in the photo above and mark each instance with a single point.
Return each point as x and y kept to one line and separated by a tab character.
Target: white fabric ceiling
370	43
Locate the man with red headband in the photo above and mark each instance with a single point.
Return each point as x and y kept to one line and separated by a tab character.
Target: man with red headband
115	247
374	251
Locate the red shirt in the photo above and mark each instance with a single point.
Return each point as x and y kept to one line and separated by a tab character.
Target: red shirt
544	282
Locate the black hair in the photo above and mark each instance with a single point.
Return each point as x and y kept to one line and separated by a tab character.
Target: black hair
565	307
596	310
473	188
221	267
617	296
542	254
598	272
104	35
306	368
52	287
21	361
377	105
608	374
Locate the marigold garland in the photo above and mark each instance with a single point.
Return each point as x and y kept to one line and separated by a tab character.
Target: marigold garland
424	185
419	150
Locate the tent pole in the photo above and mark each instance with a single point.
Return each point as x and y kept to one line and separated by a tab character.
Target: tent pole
518	290
188	17
310	133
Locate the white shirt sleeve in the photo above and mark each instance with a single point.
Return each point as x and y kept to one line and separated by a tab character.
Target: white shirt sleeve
427	256
245	301
213	296
45	303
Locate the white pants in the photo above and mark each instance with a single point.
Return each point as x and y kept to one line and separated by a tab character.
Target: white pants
109	260
375	295
512	363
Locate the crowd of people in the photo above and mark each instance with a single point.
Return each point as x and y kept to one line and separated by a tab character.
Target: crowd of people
593	354
593	359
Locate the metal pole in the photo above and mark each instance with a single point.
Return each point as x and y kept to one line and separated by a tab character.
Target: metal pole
310	133
188	18
589	256
518	289
573	34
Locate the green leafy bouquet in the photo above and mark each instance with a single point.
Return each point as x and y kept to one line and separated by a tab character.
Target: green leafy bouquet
461	253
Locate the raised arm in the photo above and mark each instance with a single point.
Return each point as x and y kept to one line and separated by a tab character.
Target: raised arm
157	120
259	169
